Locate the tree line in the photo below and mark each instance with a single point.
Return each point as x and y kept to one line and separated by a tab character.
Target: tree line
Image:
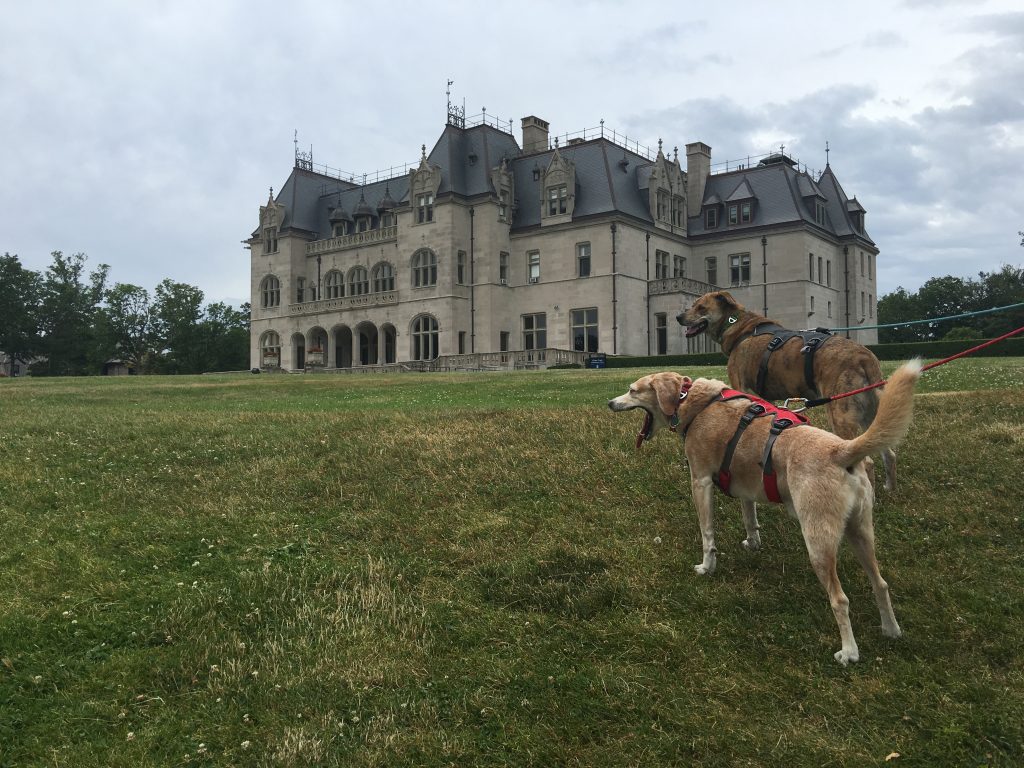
948	296
70	322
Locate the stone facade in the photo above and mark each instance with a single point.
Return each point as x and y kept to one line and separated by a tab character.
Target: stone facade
485	249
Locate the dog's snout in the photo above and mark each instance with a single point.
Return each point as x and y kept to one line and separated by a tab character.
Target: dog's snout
611	404
681	318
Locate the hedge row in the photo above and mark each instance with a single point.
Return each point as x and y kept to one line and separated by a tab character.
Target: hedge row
929	350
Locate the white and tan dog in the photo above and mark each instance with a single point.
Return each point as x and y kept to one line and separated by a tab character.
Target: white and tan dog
821	477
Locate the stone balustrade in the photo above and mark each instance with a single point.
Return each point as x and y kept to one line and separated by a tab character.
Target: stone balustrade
353	240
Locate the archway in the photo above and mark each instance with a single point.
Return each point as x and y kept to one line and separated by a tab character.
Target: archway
366	333
342	346
299	350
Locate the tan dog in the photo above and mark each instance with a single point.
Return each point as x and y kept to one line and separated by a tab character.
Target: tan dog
840	365
821	478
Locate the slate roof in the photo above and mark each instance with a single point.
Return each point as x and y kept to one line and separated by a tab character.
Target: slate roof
604	184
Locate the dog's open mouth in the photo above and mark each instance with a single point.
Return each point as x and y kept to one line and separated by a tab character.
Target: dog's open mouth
696	328
646	429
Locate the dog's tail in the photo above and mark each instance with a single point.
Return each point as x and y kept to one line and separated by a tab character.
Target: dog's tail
891	422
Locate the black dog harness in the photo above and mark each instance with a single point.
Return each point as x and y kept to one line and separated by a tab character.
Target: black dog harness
781	419
812	339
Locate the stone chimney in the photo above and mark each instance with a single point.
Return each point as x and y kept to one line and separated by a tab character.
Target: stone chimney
535	135
698	168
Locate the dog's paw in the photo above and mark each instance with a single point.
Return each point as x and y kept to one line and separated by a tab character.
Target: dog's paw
752	543
703	570
844	656
894	631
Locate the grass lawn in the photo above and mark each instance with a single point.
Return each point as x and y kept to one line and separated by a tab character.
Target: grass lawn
479	570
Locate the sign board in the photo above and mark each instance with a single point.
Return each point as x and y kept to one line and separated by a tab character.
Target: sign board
597	360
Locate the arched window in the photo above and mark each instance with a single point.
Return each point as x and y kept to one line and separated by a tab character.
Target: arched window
424	268
358	282
270	289
424	338
270	350
383	277
334	285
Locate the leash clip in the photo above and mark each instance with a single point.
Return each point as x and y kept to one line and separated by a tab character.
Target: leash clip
801	400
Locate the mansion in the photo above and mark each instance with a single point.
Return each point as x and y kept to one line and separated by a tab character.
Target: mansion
494	254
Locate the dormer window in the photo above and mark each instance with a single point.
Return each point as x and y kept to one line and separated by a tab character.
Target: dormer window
424	208
503	205
819	212
270	240
677	211
558	197
711	218
341	229
387	220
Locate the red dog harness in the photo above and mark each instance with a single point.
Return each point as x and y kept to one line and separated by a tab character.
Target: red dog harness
781	419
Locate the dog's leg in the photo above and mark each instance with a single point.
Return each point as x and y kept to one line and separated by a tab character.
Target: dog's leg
822	536
861	534
703	499
753	540
889	463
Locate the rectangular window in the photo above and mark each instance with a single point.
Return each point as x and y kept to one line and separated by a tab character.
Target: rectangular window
270	240
863	311
583	259
828	273
660	265
819	269
871	306
871	267
503	205
533	266
810	267
661	333
503	337
734	214
424	208
711	218
661	197
812	306
711	266
460	268
745	212
584	329
830	309
739	269
557	200
678	266
462	342
535	331
503	267
862	263
819	212
300	289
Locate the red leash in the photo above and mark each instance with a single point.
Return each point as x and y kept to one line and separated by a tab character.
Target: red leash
823	400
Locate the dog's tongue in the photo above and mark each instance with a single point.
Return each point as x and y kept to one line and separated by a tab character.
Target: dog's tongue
645	430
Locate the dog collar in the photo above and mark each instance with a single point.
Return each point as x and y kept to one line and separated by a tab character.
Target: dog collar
673	423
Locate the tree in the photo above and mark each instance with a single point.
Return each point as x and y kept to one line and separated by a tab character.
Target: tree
19	309
1001	289
226	337
899	307
68	317
127	324
947	296
177	312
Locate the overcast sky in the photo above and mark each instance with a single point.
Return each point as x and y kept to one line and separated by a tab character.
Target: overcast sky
146	134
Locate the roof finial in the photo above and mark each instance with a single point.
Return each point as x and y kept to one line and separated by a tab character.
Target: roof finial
826	153
423	149
659	145
675	154
271	198
782	149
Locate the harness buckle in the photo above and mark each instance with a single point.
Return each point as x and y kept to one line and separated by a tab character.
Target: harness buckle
775	343
810	346
801	400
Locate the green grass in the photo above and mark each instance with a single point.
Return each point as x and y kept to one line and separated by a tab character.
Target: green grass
478	569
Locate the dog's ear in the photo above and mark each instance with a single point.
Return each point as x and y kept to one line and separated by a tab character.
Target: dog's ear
725	300
667	387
